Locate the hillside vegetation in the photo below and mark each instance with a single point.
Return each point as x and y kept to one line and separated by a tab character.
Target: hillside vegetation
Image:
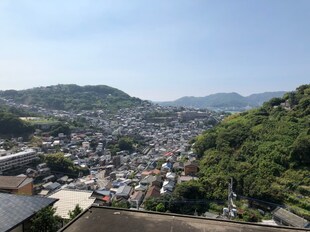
72	97
266	151
11	125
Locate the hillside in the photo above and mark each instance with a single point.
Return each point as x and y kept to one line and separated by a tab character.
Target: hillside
72	97
224	100
265	150
11	125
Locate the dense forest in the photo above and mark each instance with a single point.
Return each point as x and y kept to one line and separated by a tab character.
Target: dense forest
72	97
266	151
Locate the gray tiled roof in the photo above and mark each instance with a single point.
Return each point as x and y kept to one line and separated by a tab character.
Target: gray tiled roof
290	218
14	209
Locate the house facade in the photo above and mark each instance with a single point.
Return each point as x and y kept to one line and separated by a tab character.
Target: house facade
16	185
19	159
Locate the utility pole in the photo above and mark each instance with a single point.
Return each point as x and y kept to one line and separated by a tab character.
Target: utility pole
231	195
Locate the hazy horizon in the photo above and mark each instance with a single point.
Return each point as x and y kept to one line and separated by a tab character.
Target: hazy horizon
170	99
157	51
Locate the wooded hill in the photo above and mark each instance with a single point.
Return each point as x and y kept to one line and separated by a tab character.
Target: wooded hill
266	151
11	125
72	97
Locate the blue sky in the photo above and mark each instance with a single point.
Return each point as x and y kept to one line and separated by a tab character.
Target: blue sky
156	50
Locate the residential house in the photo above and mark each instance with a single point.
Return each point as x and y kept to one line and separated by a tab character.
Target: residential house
16	185
18	210
168	185
141	187
151	180
170	176
50	186
154	191
191	168
151	172
136	199
103	197
123	192
178	166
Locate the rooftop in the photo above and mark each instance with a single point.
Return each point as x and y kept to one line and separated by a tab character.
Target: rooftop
14	209
111	219
290	218
12	182
26	152
68	199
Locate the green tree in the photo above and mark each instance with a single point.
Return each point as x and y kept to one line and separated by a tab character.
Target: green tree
151	203
58	163
76	211
160	207
301	150
121	204
125	143
45	221
60	128
187	198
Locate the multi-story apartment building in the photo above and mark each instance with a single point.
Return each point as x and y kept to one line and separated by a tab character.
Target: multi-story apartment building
19	159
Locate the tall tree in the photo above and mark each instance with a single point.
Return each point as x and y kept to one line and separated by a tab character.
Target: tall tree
76	211
46	221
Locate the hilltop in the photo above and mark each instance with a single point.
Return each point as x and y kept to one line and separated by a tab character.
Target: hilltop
72	97
266	151
224	100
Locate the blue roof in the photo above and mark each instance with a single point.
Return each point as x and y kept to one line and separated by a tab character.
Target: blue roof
14	209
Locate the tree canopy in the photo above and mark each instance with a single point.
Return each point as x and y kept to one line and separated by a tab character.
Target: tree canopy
75	212
58	163
46	221
11	125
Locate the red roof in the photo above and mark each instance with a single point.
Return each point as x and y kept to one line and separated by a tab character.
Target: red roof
106	198
168	154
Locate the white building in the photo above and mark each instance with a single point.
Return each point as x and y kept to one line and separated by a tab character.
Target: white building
19	159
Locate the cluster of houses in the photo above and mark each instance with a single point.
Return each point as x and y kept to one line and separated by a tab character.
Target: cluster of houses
152	170
136	187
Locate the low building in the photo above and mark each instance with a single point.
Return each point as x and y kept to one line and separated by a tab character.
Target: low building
16	185
182	179
123	192
178	166
190	168
153	191
136	199
283	217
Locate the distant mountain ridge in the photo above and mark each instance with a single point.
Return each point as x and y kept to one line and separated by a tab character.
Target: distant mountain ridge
72	97
224	100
